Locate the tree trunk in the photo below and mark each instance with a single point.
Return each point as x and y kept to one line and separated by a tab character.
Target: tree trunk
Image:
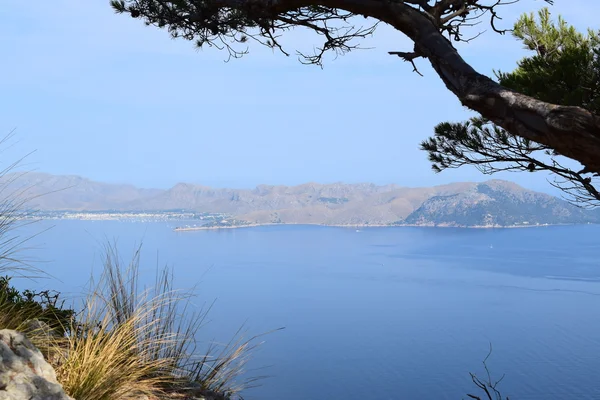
572	131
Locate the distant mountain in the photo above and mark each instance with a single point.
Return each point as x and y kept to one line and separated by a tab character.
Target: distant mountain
70	192
498	203
492	203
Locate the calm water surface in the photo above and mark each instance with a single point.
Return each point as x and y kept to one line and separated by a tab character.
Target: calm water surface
384	313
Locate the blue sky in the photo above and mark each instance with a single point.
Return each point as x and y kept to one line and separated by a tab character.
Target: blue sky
103	96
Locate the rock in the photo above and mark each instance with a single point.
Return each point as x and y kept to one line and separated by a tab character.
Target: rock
24	373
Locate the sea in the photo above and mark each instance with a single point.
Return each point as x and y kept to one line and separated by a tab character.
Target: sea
370	313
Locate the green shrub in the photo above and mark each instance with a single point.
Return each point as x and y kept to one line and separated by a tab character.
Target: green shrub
18	307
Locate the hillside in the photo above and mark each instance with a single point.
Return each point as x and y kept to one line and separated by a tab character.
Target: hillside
498	203
492	203
70	192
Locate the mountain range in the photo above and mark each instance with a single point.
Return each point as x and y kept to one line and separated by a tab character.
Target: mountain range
491	203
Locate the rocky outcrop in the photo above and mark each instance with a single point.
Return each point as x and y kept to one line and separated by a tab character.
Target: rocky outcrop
24	373
498	203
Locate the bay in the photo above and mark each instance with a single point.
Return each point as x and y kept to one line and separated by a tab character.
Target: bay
378	313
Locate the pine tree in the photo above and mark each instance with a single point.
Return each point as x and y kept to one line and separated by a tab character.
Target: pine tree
563	69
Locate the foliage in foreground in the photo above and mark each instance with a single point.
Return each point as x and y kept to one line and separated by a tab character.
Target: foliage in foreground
126	342
18	307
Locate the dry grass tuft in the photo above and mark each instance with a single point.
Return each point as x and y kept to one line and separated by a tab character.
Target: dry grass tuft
128	342
108	361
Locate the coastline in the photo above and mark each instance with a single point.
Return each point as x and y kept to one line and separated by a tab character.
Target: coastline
256	225
172	217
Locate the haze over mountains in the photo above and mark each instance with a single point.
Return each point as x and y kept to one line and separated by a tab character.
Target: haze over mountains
492	203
